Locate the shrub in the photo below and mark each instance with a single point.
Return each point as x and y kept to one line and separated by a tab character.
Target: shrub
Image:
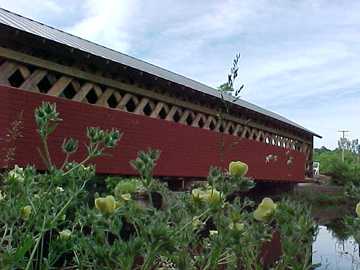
341	172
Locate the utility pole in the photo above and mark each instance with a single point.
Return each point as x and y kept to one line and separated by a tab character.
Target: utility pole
343	149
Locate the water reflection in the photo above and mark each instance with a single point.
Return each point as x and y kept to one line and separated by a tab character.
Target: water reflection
334	249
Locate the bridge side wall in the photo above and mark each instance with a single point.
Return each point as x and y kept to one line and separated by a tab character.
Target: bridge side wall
186	151
145	96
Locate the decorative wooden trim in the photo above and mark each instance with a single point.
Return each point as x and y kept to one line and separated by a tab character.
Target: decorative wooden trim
84	90
59	86
6	70
31	82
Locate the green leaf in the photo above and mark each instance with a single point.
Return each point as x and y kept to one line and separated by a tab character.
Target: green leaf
24	247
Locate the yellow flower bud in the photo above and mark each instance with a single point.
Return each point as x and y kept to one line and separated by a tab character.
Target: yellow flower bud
126	196
213	196
106	205
265	209
239	226
17	174
210	195
197	194
25	212
238	168
196	223
65	234
236	226
358	209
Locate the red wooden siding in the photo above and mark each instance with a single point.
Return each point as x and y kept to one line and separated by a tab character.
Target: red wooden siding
185	151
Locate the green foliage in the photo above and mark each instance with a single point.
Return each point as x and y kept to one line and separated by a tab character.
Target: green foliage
296	226
70	146
229	183
144	164
127	186
228	88
352	225
339	229
68	231
225	87
341	173
47	119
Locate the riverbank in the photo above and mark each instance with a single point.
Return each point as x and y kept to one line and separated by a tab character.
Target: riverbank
327	202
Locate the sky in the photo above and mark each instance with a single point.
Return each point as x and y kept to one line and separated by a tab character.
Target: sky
299	58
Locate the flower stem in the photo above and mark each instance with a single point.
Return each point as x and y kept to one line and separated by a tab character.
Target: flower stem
46	151
68	202
36	245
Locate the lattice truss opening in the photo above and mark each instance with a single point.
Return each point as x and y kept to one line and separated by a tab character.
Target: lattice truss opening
39	80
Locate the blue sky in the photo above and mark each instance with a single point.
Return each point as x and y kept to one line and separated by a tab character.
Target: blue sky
299	58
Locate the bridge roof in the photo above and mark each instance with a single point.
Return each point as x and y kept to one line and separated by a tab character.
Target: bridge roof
21	23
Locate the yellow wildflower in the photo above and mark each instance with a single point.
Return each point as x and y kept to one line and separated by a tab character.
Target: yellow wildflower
126	196
358	209
238	168
25	212
65	234
265	209
106	205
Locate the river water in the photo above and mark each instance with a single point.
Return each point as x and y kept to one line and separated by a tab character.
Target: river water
334	248
334	252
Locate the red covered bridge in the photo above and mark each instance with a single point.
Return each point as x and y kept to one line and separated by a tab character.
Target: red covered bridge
96	86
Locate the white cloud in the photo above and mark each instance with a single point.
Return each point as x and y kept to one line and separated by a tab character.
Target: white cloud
22	7
106	22
299	58
52	12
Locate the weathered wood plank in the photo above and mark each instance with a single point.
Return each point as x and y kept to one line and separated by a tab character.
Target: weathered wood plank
84	90
59	86
6	70
31	82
